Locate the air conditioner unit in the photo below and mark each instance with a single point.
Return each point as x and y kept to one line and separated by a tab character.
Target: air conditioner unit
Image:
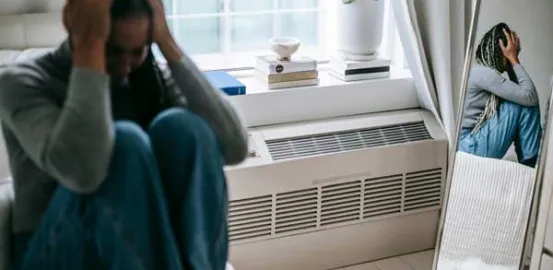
327	194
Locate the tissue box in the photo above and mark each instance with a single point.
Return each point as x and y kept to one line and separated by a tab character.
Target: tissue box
227	83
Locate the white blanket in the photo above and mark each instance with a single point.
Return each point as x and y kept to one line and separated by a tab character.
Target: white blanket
486	218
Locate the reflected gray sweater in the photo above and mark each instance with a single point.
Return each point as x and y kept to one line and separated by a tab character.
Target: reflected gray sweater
58	126
484	81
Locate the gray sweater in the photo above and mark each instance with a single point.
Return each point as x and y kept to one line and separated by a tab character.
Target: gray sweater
484	81
58	126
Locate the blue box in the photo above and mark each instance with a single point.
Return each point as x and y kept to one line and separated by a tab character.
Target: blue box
224	81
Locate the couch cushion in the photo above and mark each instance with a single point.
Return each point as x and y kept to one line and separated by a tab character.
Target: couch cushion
6	200
41	30
10	7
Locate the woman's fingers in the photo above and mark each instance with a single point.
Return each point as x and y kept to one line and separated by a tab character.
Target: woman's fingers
502	45
507	36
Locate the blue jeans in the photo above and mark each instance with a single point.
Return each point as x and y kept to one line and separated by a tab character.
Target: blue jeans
163	206
513	123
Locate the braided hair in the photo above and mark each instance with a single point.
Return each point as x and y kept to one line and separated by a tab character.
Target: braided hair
147	81
489	54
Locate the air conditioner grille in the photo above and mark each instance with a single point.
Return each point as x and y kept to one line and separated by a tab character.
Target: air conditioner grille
423	189
340	203
347	140
345	201
250	218
382	196
296	210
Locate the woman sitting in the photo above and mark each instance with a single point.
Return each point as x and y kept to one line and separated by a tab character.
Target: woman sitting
499	111
116	164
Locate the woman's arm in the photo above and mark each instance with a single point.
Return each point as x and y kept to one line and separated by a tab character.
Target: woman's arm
72	144
523	93
206	101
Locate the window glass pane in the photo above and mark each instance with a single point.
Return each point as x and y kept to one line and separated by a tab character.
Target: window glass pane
251	32
168	4
198	6
198	35
300	25
297	4
250	5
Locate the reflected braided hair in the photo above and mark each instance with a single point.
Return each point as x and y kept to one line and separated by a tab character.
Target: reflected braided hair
489	54
148	85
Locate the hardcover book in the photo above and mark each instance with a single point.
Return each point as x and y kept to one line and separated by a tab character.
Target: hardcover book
226	82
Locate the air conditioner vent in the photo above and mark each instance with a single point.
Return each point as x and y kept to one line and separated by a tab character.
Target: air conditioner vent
347	140
340	203
250	218
296	210
423	189
325	206
382	196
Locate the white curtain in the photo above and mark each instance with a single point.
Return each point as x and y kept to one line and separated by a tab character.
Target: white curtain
433	34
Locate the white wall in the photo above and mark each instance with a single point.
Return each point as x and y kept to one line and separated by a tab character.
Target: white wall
533	22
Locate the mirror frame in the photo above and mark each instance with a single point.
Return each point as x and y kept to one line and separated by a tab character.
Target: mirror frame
537	199
535	193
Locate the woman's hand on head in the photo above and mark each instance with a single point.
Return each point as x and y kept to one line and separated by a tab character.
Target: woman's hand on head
512	48
161	28
88	23
162	35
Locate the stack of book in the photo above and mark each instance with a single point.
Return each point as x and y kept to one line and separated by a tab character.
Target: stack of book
298	71
349	70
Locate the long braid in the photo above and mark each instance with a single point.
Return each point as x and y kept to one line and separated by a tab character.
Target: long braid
489	54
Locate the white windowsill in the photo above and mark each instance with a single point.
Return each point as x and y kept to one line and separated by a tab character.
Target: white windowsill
331	98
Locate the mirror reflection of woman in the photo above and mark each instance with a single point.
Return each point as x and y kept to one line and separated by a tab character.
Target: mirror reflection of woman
499	111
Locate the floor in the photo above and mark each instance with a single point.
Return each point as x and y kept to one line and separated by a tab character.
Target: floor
416	261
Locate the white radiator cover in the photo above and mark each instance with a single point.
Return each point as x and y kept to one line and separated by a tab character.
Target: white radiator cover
341	207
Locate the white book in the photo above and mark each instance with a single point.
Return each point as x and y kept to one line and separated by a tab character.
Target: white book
358	77
293	84
269	64
340	64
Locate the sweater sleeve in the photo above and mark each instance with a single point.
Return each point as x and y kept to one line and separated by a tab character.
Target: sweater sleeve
206	101
72	143
523	93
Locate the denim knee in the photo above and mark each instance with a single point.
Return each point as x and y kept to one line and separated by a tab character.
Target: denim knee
132	158
129	137
183	126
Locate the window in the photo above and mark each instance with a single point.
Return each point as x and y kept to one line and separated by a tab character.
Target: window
227	34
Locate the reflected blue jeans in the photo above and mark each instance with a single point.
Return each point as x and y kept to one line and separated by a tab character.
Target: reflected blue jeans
163	206
513	123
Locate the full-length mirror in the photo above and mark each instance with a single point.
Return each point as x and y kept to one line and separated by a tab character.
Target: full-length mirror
491	183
